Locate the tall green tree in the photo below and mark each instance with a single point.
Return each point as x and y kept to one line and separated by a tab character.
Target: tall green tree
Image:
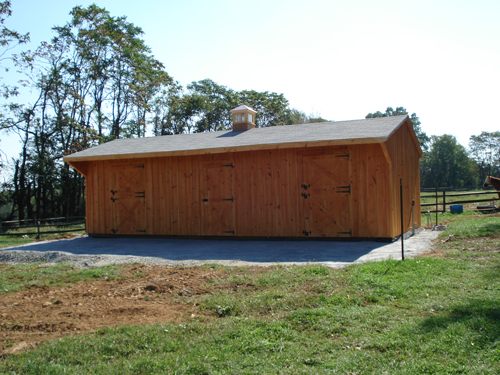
9	39
272	108
96	81
485	150
210	104
124	77
423	138
298	117
172	112
447	164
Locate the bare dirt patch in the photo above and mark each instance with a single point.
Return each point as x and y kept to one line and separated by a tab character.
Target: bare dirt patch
146	295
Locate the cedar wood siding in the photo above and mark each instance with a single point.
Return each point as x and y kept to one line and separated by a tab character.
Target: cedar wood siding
265	186
405	157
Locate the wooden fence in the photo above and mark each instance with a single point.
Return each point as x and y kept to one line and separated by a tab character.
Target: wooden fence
440	200
7	227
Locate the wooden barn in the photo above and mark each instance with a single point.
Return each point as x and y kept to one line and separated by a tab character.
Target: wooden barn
324	180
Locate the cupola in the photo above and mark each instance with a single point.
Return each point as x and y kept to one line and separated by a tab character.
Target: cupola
243	118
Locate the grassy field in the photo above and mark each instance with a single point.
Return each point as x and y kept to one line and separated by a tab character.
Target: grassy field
23	236
13	278
438	314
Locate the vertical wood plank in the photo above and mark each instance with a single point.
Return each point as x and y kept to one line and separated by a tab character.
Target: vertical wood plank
276	193
355	192
269	195
202	181
239	195
95	198
352	152
261	197
182	194
188	174
169	198
89	198
102	195
196	195
150	172
297	201
107	204
254	222
160	199
372	197
175	196
286	218
244	166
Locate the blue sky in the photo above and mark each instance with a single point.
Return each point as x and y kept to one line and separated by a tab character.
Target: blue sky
337	59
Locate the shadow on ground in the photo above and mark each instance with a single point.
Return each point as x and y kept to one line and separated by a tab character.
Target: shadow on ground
479	316
182	249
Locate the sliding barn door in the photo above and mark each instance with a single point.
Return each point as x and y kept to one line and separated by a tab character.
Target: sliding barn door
325	195
128	197
217	198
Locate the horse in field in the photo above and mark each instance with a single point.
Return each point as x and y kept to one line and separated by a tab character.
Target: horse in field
492	181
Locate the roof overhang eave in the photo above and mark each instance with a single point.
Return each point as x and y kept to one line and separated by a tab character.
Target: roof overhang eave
218	150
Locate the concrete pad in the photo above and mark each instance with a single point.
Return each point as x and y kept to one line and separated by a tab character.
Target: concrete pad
102	251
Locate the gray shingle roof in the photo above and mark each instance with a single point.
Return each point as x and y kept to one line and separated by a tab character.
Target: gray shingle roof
375	130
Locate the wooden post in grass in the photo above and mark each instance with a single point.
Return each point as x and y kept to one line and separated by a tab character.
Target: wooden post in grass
436	205
38	230
444	201
402	220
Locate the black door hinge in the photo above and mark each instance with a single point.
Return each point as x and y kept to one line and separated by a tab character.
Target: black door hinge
228	231
204	200
140	194
229	199
228	165
349	233
343	156
114	199
114	191
114	231
139	166
304	186
344	189
305	195
141	231
306	233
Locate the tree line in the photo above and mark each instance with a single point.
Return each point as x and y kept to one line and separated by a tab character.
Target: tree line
97	80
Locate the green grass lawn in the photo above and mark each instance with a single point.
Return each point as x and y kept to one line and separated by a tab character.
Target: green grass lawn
430	315
23	237
17	277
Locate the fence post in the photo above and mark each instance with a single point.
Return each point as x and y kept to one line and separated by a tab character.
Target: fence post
413	217
444	201
402	220
436	205
38	230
